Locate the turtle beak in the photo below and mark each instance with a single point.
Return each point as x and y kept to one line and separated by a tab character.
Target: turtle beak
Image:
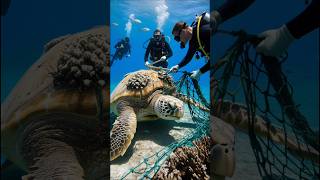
177	111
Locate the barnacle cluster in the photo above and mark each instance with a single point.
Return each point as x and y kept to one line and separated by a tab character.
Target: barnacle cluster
138	81
82	64
188	162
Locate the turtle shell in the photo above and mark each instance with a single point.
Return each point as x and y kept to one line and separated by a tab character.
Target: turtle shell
138	86
50	85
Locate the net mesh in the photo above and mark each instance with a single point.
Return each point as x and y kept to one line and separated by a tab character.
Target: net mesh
243	76
187	88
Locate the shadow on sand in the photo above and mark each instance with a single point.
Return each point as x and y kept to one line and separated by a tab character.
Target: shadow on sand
156	131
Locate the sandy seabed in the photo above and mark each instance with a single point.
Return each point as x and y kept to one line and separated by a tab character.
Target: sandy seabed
152	136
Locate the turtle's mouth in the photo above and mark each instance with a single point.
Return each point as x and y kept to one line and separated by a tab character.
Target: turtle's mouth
170	109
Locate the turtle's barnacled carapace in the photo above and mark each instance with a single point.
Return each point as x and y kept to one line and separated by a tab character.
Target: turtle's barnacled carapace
83	63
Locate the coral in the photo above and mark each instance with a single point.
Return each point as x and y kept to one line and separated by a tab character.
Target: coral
83	63
188	162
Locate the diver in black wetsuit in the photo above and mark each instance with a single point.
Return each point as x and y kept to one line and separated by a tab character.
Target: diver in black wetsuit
184	34
275	44
159	50
122	48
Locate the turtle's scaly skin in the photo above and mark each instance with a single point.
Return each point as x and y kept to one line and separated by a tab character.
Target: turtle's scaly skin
140	96
49	119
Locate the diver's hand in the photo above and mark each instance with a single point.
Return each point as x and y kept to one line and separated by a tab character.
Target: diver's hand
146	63
163	58
276	42
196	74
174	68
128	55
215	20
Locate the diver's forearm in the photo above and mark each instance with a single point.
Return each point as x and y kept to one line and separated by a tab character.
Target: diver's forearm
306	21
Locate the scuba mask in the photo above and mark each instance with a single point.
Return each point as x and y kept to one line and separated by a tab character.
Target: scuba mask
182	45
177	38
157	37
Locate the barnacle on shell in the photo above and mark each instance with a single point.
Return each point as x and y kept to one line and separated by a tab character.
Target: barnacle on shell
82	64
138	81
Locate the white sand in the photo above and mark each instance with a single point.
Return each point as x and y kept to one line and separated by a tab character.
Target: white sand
150	138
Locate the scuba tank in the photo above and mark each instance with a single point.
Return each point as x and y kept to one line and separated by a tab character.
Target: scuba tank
203	19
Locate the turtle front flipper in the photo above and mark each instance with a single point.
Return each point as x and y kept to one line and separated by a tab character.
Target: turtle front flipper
123	130
48	151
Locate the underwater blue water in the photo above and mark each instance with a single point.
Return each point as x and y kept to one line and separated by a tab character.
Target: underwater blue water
29	25
144	10
302	65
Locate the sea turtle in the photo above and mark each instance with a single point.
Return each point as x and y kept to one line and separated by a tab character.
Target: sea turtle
141	95
51	122
137	97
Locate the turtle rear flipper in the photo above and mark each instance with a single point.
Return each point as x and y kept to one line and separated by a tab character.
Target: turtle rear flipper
123	130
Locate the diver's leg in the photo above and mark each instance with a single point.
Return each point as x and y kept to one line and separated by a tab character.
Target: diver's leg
279	83
112	60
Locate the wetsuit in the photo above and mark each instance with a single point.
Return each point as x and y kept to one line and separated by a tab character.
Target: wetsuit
204	34
122	50
305	22
157	49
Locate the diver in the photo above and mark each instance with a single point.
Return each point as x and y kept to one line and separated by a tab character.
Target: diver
159	50
123	48
198	36
273	46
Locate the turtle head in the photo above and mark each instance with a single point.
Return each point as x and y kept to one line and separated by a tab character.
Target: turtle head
168	107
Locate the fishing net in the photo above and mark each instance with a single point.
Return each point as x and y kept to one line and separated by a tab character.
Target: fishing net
241	75
198	107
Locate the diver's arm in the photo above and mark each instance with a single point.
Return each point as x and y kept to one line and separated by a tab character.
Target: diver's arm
146	55
188	57
306	21
232	8
169	50
205	68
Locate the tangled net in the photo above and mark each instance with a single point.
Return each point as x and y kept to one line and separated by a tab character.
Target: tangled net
267	93
186	88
